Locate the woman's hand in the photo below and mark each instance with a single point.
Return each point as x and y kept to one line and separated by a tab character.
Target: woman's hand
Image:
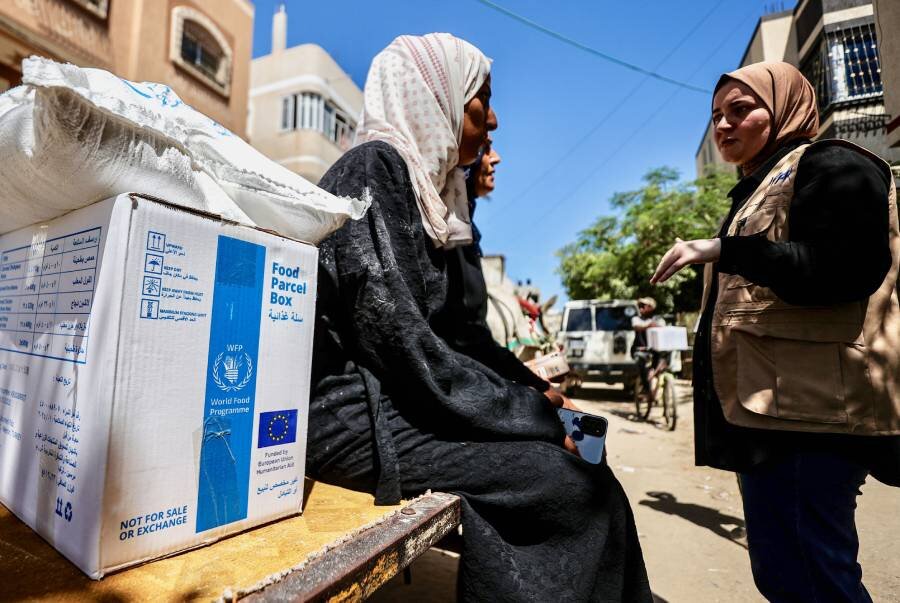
569	445
560	401
682	253
556	398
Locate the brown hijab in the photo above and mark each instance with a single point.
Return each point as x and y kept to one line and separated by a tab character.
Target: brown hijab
790	99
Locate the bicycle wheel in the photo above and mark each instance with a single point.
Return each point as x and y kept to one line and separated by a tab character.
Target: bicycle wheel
643	400
670	402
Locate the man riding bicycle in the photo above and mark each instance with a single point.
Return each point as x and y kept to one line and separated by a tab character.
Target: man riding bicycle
645	359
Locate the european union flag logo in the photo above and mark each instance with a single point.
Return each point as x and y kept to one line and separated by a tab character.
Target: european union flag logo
277	427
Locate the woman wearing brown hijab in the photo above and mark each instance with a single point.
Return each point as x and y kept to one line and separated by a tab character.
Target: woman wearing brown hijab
797	355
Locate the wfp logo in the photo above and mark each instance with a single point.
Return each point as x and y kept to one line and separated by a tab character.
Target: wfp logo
781	176
232	369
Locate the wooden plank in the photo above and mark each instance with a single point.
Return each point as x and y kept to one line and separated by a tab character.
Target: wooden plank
32	570
355	568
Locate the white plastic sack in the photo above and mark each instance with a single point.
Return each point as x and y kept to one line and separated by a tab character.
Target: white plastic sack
58	154
70	137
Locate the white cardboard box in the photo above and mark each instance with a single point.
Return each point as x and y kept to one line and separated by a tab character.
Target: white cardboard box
667	339
154	379
549	366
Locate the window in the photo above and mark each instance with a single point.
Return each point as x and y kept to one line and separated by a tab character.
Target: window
199	47
287	112
579	319
9	77
98	8
329	119
844	66
303	111
614	318
310	111
342	135
310	108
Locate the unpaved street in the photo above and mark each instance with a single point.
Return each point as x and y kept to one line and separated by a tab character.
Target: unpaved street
689	518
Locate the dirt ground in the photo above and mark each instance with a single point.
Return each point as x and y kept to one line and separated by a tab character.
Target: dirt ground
689	518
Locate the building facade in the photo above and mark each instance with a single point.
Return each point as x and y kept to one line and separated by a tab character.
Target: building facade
838	51
887	15
303	107
201	48
836	44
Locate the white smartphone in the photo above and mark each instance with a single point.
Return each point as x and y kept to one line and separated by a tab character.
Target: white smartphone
587	431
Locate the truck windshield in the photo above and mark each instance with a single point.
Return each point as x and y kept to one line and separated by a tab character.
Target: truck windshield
614	319
579	319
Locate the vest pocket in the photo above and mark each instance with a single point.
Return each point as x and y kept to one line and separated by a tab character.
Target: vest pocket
756	223
756	376
790	380
809	383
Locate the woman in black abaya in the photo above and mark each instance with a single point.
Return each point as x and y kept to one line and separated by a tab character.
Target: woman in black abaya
395	410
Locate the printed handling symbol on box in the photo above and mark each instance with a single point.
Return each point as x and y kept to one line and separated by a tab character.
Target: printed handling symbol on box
156	241
153	263
150	309
152	286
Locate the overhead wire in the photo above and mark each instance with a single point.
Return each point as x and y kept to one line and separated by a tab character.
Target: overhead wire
497	210
628	139
567	40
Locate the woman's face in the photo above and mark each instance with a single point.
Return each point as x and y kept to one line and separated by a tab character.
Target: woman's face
741	123
478	120
484	185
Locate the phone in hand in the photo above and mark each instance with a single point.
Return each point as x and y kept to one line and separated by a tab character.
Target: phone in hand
587	431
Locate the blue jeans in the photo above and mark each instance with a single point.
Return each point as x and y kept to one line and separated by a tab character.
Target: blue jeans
801	528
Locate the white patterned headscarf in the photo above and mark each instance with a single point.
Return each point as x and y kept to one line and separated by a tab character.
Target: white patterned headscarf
415	99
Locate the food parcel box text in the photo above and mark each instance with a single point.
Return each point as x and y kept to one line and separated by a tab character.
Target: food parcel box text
154	379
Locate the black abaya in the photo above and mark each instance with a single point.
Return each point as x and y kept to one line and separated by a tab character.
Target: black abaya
396	411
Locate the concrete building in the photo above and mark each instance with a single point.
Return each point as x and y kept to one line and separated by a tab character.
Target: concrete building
838	51
835	43
303	107
769	42
887	19
201	48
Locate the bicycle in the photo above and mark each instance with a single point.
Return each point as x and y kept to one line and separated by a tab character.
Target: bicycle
660	377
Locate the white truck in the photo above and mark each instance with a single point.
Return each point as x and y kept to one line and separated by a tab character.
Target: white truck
597	339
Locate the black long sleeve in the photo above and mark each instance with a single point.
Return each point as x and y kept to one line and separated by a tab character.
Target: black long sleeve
462	323
837	251
837	229
381	281
501	361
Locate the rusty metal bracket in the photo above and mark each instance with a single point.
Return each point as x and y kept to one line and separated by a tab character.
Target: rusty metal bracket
355	568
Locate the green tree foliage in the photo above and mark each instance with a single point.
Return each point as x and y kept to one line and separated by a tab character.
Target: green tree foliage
615	257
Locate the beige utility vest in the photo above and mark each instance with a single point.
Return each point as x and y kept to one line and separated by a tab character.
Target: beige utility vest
829	368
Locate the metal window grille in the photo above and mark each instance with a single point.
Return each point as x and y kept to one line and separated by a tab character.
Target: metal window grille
845	66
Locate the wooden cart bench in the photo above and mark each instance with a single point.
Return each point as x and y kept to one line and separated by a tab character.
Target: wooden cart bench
342	548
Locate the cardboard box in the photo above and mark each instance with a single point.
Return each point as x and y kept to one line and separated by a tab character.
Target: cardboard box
667	339
549	366
154	379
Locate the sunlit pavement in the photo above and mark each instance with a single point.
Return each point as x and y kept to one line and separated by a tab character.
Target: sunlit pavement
689	518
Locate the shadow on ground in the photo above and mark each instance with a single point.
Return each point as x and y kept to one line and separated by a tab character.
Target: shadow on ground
705	517
431	579
602	394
